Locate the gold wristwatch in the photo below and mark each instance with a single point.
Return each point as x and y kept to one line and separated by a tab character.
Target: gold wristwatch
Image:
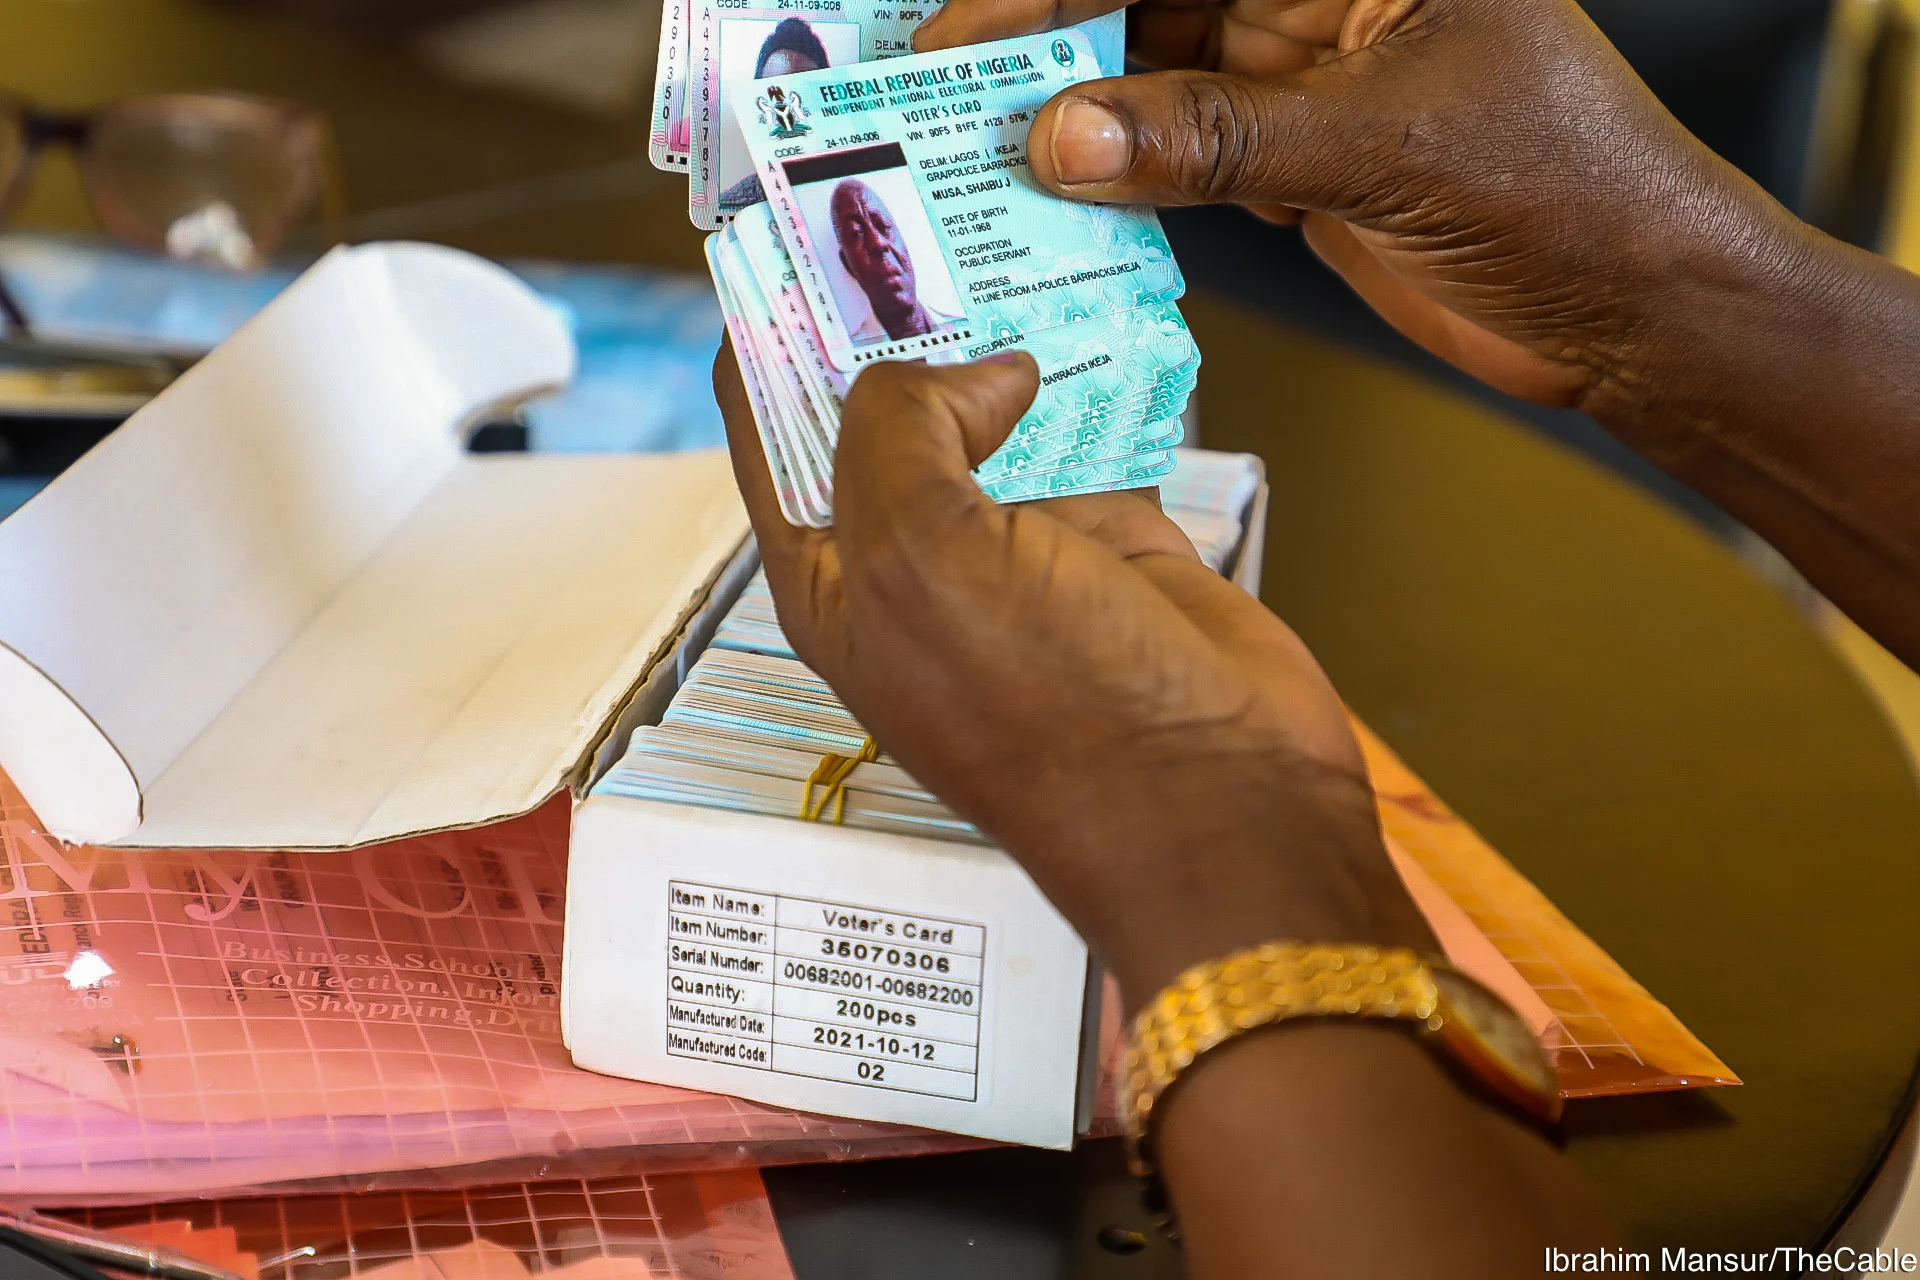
1472	1030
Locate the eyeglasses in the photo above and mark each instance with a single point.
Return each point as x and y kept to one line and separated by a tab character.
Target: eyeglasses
214	178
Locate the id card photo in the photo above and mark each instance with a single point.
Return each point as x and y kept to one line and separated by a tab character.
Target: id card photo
876	244
758	49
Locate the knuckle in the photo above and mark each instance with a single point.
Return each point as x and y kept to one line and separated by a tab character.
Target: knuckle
932	402
896	392
1217	154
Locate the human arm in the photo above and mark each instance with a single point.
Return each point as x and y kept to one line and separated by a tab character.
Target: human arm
1493	178
1168	763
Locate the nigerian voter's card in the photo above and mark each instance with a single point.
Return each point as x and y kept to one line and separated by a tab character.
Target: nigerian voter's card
901	191
736	42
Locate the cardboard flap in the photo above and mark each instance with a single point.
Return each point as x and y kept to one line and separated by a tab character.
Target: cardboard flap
282	608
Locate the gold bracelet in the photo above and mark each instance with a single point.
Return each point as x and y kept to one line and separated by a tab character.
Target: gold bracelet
1214	1002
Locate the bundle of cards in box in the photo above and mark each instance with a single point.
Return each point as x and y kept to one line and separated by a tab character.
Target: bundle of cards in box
750	727
876	205
761	903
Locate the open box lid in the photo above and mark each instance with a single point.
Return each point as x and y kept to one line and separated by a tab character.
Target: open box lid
282	607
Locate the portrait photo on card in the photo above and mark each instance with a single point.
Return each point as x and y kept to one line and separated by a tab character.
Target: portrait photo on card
756	49
876	244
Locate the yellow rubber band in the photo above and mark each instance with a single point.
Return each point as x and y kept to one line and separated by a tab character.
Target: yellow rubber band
831	776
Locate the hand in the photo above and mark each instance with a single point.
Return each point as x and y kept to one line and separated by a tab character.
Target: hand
1496	182
1158	751
1488	174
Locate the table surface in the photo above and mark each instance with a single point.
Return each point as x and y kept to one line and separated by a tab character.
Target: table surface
1654	735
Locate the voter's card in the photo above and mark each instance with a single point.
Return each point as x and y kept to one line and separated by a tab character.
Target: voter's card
1138	471
1096	376
778	466
667	134
773	268
902	193
737	42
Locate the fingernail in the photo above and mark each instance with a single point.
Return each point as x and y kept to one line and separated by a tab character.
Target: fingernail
1090	144
1000	357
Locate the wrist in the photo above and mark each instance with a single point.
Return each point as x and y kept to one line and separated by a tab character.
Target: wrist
1740	307
1227	868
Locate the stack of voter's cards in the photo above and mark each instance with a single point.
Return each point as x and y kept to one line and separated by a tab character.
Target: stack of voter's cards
760	734
899	222
1208	497
875	204
754	730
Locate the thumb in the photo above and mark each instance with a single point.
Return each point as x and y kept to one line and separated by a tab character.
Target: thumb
1189	137
910	437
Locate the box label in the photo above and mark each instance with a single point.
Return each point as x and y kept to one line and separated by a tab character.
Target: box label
871	996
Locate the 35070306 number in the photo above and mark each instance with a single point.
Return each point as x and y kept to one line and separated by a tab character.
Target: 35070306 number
896	957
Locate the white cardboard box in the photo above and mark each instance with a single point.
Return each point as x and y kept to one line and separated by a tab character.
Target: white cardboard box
282	607
826	969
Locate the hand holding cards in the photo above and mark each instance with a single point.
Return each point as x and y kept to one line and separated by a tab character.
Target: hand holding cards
875	204
900	222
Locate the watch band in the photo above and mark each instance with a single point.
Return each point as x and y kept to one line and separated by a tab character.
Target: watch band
1212	1003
